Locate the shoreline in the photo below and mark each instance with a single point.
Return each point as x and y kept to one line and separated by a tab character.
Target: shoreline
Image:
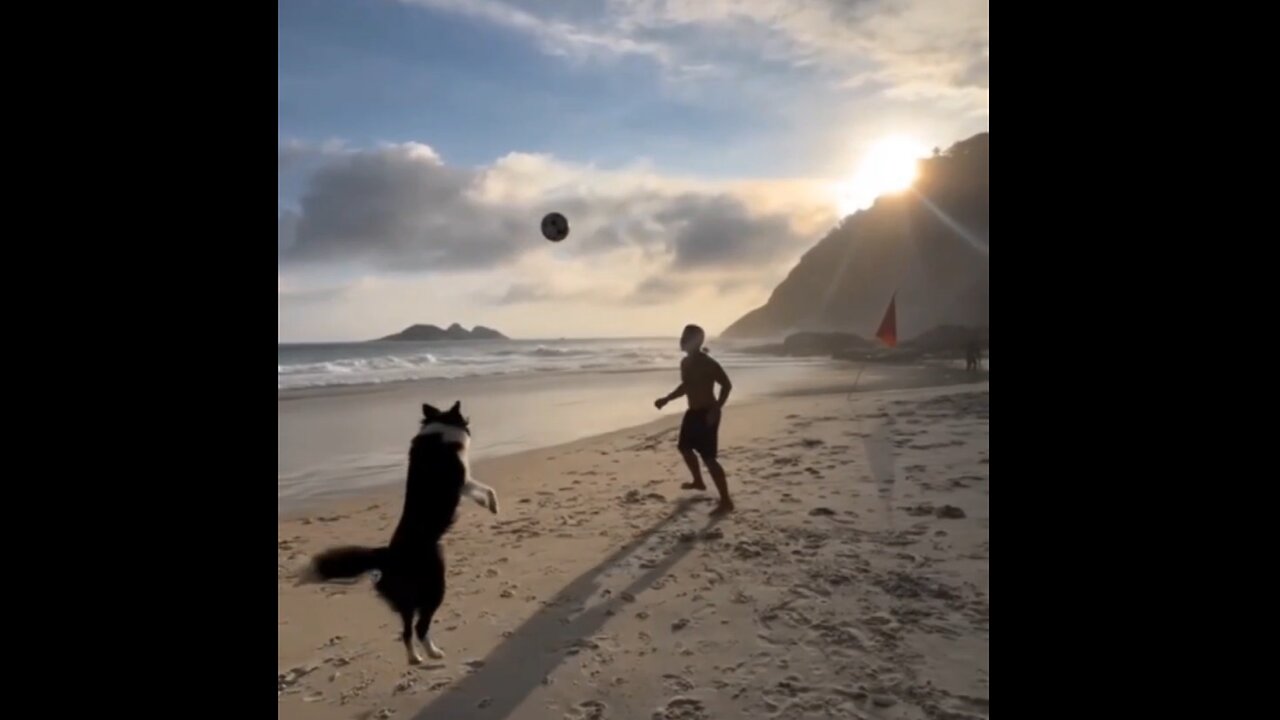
820	363
369	388
310	485
482	467
315	367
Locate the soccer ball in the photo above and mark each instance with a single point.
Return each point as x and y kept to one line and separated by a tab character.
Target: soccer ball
555	227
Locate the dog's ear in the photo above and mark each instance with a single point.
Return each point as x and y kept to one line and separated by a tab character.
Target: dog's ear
429	412
456	409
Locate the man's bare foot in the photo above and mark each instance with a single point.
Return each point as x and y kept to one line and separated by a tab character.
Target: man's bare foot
725	507
693	486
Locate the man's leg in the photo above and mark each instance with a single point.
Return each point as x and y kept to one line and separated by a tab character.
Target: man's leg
688	436
722	484
691	460
709	449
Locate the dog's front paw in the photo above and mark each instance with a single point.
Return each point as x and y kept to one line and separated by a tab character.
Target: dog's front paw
493	502
434	652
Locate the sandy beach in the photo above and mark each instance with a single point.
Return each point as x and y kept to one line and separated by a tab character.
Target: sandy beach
852	582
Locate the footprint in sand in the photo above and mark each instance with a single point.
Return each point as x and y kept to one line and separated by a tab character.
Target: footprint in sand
676	685
704	611
682	708
587	710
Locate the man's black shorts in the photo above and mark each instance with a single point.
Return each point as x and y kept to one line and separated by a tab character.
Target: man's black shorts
698	435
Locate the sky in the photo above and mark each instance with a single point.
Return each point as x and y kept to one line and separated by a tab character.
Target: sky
697	148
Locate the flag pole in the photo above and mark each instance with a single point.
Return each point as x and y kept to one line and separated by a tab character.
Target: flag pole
887	333
861	367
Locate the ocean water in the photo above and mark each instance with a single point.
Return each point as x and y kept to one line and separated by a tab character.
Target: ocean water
338	364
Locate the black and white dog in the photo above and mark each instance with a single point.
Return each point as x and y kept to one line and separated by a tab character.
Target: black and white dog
412	565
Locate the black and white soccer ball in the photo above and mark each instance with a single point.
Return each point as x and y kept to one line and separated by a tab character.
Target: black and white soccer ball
555	227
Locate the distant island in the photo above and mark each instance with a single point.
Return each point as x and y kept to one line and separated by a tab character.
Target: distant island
430	333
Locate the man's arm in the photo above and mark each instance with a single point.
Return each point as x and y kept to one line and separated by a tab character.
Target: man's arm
662	401
722	378
725	386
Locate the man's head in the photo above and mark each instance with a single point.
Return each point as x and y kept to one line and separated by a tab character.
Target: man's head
692	338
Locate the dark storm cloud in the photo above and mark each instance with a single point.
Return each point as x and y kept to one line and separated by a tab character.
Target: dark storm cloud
402	209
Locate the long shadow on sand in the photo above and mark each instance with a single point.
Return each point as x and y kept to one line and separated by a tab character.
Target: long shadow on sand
517	666
877	445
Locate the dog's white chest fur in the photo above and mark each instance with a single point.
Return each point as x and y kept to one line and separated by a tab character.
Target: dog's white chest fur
478	491
449	434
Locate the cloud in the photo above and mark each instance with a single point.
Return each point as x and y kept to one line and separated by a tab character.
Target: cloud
935	50
530	293
396	208
290	294
388	236
525	293
286	231
574	299
662	286
293	153
555	36
719	232
314	296
401	208
660	289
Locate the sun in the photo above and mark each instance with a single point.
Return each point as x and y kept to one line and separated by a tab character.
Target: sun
889	165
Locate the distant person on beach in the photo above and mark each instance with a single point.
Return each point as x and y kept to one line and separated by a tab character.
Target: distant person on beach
700	429
973	356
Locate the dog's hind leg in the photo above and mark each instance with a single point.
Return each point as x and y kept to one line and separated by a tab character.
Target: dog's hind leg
414	657
424	632
431	602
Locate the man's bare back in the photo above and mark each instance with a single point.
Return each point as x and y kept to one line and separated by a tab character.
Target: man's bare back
699	373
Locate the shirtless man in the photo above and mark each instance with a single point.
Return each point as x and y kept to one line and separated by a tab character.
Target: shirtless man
699	430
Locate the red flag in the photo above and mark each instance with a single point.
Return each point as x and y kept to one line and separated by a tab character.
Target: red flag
888	332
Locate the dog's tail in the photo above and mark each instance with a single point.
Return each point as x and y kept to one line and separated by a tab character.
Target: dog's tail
342	563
